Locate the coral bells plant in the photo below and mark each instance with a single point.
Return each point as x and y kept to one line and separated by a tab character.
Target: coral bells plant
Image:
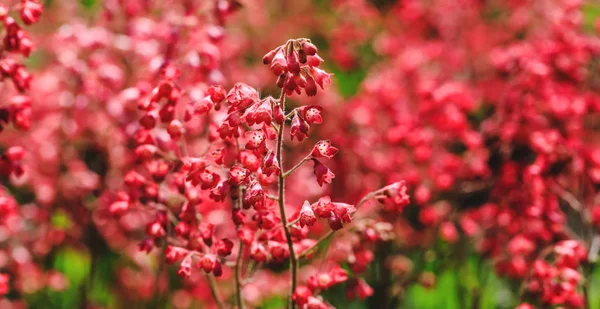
177	154
243	162
16	45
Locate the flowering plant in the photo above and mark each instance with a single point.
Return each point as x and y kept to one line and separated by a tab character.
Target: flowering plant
444	156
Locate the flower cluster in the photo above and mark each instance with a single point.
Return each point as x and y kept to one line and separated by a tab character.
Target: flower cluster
16	42
296	63
557	283
458	134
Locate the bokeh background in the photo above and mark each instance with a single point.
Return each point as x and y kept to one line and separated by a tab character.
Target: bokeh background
460	98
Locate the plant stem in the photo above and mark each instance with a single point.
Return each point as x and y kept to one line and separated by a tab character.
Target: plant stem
238	287
288	235
238	264
330	233
212	283
293	169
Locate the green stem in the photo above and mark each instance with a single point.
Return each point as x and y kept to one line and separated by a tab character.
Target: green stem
212	283
238	286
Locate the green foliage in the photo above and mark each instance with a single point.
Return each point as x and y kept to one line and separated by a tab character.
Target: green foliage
88	4
61	220
591	13
75	265
273	303
348	82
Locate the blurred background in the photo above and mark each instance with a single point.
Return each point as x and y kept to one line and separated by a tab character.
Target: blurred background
466	100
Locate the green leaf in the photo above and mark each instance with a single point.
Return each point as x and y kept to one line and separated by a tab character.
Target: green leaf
273	303
75	265
61	220
348	83
591	13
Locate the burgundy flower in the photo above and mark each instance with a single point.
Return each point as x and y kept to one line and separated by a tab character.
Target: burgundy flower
270	164
323	173
299	128
223	247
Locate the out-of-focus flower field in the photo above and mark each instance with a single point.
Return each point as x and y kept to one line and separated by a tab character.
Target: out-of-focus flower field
311	154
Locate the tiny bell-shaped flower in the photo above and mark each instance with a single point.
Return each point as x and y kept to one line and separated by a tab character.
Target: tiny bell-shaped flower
155	229
206	231
30	11
307	215
246	235
255	139
261	112
259	253
241	96
395	195
238	175
335	223
185	268
207	263
217	94
182	229
311	114
118	208
299	128
174	254
254	196
323	149
270	164
323	173
278	63
223	247
175	129
301	295
359	289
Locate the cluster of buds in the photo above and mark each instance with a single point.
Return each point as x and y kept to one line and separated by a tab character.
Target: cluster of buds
557	283
336	213
18	113
304	294
210	260
160	104
17	41
394	196
9	162
296	65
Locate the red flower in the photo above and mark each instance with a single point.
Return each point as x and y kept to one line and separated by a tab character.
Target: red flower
323	149
261	112
299	128
255	140
4	287
307	215
174	254
238	175
301	295
241	96
323	173
270	165
254	196
223	247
